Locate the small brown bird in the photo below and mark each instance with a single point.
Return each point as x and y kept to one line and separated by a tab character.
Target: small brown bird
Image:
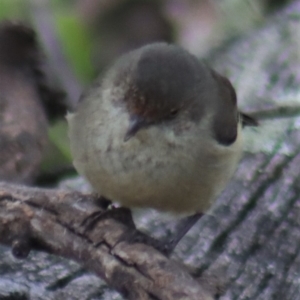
159	130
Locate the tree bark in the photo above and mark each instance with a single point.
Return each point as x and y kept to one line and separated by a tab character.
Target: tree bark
51	220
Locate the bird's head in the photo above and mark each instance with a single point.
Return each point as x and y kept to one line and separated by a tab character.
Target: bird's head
164	83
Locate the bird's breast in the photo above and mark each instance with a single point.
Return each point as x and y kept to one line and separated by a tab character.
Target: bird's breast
178	169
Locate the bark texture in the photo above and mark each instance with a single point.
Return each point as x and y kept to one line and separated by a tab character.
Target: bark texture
52	221
26	102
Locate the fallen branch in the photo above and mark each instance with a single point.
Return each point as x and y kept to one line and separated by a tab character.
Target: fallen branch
51	221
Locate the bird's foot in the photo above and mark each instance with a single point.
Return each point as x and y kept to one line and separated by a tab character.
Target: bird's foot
120	214
103	202
123	215
167	245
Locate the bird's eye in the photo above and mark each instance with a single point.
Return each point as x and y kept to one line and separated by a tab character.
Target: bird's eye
174	112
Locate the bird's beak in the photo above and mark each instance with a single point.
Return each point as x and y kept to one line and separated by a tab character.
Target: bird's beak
135	124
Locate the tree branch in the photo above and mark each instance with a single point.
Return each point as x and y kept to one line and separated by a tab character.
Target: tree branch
51	221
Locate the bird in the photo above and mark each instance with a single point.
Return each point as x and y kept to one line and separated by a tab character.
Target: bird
160	129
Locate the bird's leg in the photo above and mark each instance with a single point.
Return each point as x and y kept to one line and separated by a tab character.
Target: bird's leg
181	229
165	245
121	214
124	216
103	202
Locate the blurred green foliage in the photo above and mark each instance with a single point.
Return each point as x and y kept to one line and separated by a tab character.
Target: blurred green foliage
72	33
57	134
58	153
76	42
12	9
